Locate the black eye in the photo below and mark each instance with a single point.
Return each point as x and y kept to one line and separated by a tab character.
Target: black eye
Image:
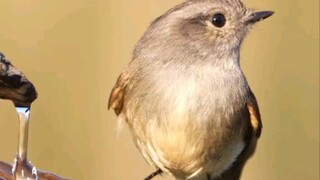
218	20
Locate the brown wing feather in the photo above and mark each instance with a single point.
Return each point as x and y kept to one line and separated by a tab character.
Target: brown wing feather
117	93
255	117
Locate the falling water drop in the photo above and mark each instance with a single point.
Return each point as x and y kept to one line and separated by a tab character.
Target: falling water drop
23	169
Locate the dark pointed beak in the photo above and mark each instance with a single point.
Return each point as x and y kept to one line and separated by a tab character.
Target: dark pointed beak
259	16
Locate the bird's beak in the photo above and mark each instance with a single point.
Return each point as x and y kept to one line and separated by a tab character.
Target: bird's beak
258	16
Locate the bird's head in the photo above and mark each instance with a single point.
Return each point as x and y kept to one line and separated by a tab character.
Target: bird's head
204	26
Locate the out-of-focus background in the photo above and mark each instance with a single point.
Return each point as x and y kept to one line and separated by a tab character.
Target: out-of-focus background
74	50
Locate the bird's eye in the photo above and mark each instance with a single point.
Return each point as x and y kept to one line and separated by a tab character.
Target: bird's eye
218	20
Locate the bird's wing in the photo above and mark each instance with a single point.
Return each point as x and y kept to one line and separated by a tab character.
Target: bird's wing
252	136
255	117
118	91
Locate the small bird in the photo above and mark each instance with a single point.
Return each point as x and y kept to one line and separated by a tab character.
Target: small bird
184	97
14	85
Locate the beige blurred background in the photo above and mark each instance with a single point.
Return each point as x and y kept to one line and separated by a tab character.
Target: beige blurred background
74	50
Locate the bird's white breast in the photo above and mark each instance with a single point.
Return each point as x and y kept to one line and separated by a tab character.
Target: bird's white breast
184	131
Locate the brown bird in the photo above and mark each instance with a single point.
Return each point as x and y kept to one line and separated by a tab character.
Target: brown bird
14	85
184	96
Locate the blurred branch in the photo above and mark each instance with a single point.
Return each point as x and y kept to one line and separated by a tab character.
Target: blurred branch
6	173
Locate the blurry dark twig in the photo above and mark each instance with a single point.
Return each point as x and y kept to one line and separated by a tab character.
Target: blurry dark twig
154	174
